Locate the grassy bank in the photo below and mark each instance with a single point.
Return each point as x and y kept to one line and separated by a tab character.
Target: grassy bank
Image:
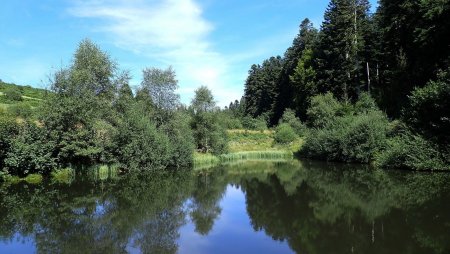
249	145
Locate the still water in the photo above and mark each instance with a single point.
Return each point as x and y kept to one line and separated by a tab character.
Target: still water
250	207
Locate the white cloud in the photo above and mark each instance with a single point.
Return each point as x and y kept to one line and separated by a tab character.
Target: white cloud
172	32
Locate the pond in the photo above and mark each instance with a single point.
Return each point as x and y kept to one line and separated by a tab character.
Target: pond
249	207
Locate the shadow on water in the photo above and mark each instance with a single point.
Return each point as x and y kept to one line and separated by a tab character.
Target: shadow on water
311	207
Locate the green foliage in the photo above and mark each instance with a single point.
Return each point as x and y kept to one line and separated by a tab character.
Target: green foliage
9	128
139	144
284	134
209	135
323	110
410	151
30	151
182	143
13	94
288	94
293	121
429	110
261	87
228	120
340	51
259	124
23	110
349	138
303	81
33	178
65	175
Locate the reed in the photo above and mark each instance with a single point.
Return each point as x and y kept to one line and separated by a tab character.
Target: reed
33	178
65	175
205	161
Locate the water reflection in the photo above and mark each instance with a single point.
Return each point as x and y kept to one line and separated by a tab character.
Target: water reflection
306	207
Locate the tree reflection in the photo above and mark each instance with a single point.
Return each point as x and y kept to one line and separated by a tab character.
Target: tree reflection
207	192
143	211
314	207
341	210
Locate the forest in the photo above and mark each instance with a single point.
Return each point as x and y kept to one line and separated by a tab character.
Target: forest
369	88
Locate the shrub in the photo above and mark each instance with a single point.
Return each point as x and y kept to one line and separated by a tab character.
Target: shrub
139	144
365	104
30	151
284	134
323	110
20	110
8	130
181	140
297	125
410	151
13	94
429	109
259	124
209	135
351	138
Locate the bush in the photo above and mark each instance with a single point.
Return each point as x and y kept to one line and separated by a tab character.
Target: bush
20	110
8	130
13	94
258	124
429	109
323	110
284	134
410	151
30	152
230	122
139	144
351	138
209	135
181	140
297	125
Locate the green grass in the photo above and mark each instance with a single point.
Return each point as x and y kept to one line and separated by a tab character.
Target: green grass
204	161
247	140
249	145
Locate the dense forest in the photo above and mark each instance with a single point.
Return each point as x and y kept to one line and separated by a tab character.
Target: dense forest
365	87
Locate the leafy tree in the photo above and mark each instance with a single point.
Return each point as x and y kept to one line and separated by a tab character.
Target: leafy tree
203	100
161	86
209	135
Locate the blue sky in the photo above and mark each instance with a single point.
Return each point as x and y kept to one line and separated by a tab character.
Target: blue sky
208	42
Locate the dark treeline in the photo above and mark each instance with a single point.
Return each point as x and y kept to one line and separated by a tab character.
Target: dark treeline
92	116
398	57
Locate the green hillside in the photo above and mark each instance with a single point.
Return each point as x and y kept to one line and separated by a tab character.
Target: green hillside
20	101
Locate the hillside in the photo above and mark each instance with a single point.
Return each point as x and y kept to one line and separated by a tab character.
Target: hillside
20	101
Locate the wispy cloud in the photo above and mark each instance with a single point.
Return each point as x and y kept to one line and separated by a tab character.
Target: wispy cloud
172	32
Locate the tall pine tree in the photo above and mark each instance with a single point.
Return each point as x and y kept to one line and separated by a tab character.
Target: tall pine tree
340	57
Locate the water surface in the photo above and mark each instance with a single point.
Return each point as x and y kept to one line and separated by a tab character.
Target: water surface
251	207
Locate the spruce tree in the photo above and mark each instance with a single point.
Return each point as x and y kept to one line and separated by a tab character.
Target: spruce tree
340	58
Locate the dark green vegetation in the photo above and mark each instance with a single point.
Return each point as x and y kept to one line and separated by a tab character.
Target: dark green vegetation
293	207
369	86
